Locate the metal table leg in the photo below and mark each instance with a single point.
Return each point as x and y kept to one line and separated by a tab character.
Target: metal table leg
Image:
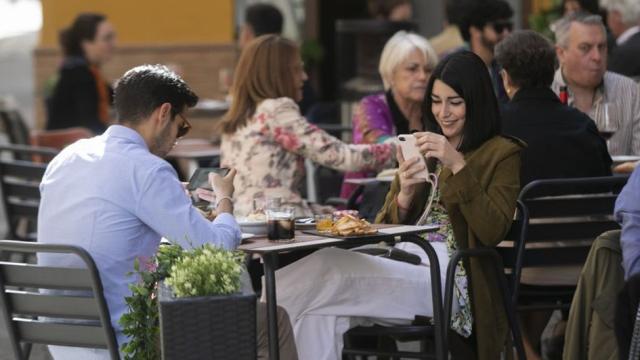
269	262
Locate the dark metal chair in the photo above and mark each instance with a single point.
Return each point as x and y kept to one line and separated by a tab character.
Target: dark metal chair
13	125
429	333
425	332
565	216
20	184
71	299
39	154
505	276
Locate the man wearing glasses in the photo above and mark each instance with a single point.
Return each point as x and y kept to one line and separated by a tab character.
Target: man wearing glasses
483	25
115	195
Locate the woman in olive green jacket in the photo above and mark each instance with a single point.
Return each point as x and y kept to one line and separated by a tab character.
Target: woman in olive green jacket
475	199
332	290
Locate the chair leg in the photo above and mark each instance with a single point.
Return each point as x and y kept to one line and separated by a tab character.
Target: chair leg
26	349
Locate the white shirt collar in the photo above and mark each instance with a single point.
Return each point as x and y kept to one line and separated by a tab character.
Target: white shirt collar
627	34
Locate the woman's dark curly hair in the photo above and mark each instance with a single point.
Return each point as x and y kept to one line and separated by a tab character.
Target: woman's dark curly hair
528	58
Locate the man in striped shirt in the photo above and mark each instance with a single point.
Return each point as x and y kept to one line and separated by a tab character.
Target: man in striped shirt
581	46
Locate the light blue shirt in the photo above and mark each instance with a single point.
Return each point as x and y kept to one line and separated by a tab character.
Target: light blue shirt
627	213
115	199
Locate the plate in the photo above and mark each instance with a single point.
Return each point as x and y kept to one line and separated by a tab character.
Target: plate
624	158
246	236
252	227
355	236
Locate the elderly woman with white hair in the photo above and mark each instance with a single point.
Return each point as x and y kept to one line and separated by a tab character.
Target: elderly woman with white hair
405	66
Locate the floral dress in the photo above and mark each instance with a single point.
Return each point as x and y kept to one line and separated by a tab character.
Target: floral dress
269	154
461	321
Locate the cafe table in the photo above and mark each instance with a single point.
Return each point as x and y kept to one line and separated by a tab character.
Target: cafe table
269	250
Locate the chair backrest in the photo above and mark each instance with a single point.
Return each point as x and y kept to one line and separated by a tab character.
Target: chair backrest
20	184
570	213
512	249
54	305
14	126
37	154
59	139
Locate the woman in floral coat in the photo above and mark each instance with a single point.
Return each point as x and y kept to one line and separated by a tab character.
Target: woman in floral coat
266	139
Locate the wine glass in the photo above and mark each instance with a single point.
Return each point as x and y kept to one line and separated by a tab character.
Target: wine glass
608	123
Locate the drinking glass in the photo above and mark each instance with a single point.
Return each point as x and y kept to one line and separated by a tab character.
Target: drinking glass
324	223
280	223
608	124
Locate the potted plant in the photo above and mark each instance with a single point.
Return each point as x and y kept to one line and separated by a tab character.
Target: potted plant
198	312
202	313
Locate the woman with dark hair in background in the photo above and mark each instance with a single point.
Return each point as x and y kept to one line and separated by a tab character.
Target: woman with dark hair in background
474	205
81	96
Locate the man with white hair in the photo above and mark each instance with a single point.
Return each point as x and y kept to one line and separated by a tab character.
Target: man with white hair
623	18
581	46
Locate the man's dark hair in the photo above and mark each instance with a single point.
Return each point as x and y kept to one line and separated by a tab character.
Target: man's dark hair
528	58
84	28
264	19
144	88
467	75
455	11
383	8
483	12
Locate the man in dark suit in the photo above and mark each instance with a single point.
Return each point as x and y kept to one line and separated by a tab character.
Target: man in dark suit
562	141
623	18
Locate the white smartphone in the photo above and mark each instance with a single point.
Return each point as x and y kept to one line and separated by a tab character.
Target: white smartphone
410	150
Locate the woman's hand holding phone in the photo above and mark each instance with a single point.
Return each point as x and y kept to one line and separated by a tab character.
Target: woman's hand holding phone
433	145
409	182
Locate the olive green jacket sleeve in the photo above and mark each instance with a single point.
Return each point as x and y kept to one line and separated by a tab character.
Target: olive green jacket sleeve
486	201
389	214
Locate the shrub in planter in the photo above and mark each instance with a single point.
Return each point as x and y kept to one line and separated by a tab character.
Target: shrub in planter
202	313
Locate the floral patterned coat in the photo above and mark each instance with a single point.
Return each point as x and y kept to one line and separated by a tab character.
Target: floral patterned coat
269	154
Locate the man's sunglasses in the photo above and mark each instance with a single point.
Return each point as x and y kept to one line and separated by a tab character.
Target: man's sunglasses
184	128
500	26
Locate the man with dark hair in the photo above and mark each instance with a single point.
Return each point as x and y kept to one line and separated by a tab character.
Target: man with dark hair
562	141
260	19
483	25
115	195
263	19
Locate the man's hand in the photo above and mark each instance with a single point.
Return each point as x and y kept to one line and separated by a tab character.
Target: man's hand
223	190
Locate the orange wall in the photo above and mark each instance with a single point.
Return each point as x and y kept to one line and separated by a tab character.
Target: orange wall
147	21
